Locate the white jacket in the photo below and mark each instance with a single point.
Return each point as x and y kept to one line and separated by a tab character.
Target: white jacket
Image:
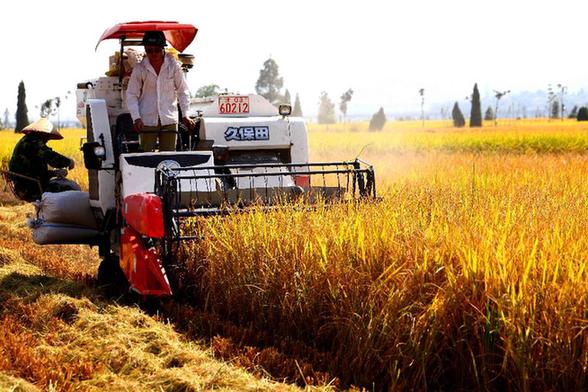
150	96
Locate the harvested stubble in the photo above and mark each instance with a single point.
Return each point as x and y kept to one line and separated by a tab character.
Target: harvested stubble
60	335
471	273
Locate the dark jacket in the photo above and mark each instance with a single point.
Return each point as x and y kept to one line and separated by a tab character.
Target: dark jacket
31	157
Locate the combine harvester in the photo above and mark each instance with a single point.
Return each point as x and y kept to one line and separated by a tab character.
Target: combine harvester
243	152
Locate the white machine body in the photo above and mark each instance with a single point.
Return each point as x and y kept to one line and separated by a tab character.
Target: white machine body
253	132
138	170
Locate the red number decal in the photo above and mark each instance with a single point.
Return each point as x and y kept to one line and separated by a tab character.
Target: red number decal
231	105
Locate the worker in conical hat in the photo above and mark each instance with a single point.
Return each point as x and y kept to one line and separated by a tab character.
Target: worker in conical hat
43	127
31	159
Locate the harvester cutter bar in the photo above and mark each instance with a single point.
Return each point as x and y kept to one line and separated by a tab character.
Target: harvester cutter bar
181	190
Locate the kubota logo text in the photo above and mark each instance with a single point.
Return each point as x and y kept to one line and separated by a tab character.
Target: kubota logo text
247	133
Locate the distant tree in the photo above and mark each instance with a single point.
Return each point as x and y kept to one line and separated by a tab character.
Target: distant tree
498	95
378	120
476	113
209	90
573	112
555	109
538	112
422	94
269	82
326	113
287	98
457	115
489	115
582	114
297	111
345	98
47	108
22	118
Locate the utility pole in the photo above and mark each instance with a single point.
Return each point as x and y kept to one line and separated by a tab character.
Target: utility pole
562	90
422	94
57	101
498	95
550	98
6	118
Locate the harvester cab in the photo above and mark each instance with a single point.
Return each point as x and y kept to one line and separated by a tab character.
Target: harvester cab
243	153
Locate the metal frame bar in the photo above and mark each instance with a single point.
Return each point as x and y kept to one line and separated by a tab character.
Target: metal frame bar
168	182
7	173
276	165
297	173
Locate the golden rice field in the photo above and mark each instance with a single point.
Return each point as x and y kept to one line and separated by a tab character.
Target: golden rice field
470	273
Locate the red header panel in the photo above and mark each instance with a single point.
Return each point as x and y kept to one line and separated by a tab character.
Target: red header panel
179	35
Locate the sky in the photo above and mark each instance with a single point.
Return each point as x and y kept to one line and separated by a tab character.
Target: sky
384	50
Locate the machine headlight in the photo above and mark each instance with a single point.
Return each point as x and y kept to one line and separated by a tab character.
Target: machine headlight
100	152
285	110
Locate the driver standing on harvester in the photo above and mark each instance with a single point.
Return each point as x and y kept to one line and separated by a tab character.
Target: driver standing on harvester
156	85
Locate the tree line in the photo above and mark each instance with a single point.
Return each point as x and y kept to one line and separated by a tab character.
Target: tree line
555	105
270	84
47	108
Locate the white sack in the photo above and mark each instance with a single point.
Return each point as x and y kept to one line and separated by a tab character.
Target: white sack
57	233
69	207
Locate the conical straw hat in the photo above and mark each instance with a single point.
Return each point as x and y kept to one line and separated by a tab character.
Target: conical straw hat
42	126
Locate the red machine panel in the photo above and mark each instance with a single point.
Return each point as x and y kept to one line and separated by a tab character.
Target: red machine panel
144	213
142	266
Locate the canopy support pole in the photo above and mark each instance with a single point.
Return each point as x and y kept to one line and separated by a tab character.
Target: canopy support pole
121	65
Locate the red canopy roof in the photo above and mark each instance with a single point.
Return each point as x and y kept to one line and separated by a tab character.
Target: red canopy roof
177	34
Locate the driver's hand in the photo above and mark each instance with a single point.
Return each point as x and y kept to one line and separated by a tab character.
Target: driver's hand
138	125
61	173
188	122
71	164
